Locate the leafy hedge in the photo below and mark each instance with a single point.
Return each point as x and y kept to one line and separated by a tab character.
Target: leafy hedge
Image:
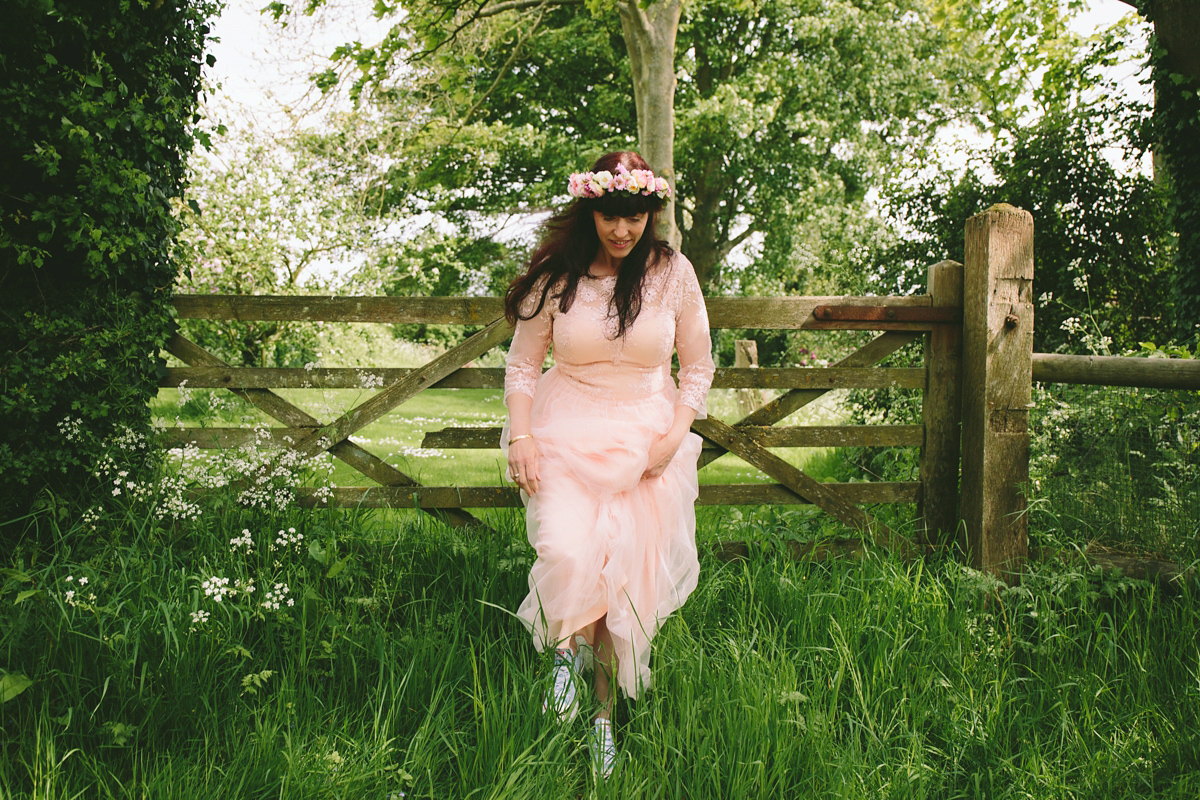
97	116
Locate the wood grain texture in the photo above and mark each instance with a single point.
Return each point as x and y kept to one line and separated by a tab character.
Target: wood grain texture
872	352
456	497
1149	373
941	413
763	313
751	452
364	414
272	404
493	378
767	436
997	388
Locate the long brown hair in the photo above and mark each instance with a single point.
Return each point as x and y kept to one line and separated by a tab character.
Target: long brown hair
570	244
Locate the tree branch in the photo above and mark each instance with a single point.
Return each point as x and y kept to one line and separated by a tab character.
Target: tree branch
516	5
481	10
728	246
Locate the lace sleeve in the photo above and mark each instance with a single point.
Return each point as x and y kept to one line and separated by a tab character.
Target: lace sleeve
530	343
692	342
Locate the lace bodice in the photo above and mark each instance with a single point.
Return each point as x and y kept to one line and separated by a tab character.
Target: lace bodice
672	317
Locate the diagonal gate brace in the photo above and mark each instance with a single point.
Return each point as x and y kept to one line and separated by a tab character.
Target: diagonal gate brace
411	384
272	404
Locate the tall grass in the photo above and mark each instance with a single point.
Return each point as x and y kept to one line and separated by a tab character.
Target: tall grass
398	671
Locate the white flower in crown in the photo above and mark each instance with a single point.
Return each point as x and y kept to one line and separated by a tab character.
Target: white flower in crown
639	181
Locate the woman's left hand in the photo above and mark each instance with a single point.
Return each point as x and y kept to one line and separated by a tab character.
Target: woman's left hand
661	453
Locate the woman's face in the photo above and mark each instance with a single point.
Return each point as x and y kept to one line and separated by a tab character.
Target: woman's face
618	235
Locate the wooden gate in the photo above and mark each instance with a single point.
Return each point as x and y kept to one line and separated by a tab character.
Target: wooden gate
899	321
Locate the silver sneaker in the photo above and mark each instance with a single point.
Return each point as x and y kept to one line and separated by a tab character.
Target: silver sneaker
562	700
603	748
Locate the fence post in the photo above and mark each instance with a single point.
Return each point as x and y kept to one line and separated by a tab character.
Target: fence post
997	388
941	412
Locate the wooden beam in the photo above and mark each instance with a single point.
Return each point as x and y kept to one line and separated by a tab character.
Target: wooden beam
872	352
364	414
889	313
1149	373
746	448
312	308
941	413
997	388
493	378
365	462
806	436
455	497
322	378
763	313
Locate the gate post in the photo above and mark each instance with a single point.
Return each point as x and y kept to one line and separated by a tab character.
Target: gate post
941	413
997	388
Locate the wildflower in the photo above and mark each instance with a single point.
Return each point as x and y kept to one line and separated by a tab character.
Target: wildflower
245	540
200	617
83	581
289	538
217	588
277	596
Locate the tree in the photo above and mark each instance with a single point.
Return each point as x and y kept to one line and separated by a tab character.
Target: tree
783	107
275	217
1175	55
1103	247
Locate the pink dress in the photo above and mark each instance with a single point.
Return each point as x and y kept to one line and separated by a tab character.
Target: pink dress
608	542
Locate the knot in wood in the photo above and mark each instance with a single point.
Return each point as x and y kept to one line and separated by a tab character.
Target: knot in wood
1011	321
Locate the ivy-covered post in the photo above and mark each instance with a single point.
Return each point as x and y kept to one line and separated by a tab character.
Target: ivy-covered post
997	388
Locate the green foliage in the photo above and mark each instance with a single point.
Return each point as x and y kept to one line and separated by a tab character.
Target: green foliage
788	114
1016	58
1102	246
1176	126
784	111
97	114
271	218
1116	466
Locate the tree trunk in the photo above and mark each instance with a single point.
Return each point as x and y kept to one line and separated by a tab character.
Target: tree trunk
1177	26
705	237
650	38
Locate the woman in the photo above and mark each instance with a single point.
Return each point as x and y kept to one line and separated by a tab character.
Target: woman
600	445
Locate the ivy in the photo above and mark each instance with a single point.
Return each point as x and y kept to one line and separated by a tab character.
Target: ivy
97	116
1176	128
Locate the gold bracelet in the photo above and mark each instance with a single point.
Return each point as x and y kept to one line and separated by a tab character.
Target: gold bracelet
519	438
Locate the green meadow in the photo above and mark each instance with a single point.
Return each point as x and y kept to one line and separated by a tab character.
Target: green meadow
224	651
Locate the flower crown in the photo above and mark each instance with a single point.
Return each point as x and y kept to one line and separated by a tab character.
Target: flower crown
638	181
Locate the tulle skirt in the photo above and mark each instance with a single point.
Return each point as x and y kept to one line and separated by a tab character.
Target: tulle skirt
608	542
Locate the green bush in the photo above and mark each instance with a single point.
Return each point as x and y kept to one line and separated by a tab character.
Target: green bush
97	111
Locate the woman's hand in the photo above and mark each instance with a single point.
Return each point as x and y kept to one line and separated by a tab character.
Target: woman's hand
523	464
665	447
661	453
